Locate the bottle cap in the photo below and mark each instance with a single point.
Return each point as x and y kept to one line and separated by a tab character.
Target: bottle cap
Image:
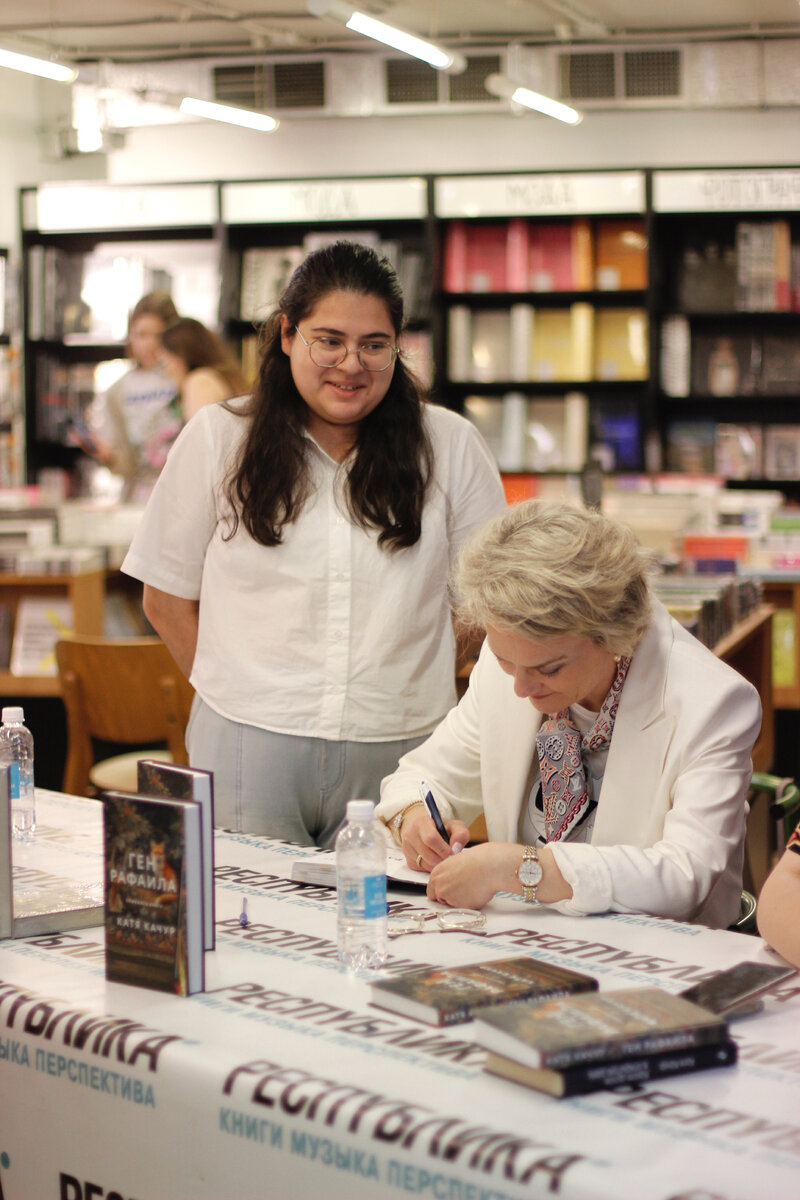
13	714
360	810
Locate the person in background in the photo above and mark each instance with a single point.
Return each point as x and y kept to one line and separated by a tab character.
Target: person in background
608	750
778	911
133	425
200	365
295	556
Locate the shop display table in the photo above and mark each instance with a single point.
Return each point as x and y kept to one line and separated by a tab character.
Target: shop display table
281	1081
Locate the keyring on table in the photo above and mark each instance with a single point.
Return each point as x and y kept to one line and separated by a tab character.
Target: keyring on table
451	920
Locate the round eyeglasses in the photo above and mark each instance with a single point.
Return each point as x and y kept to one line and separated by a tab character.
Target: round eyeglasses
332	351
452	920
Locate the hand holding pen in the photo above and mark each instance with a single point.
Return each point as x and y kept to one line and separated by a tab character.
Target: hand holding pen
427	839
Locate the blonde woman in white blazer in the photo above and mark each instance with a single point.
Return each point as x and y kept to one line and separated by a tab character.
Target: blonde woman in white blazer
633	797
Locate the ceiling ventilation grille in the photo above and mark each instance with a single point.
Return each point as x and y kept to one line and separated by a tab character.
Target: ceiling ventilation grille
263	86
651	73
409	82
469	86
587	76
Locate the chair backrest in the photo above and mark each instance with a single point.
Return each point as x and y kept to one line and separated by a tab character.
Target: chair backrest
128	691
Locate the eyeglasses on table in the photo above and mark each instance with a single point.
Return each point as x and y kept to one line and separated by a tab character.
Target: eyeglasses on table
453	920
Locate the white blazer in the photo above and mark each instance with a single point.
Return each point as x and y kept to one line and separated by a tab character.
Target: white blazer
668	835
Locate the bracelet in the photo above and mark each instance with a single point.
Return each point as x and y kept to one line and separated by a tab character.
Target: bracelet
396	821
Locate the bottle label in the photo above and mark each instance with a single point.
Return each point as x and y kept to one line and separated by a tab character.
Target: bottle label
13	780
364	898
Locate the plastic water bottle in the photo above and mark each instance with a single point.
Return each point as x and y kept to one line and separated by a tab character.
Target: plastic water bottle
16	749
361	889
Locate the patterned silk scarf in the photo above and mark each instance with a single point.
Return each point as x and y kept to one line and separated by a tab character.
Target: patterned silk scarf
565	793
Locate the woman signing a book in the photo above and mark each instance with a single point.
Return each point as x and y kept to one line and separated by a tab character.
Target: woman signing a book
295	555
608	750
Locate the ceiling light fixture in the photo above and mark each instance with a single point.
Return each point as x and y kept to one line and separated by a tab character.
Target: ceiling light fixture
498	85
229	114
436	56
44	67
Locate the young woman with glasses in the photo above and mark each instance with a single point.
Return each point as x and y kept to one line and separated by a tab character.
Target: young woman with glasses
295	556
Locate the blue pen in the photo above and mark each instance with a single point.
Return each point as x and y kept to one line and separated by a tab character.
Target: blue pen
427	798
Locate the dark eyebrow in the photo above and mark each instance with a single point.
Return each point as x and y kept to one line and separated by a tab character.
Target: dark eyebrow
318	329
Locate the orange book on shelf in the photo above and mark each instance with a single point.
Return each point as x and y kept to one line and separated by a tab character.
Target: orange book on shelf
519	486
620	255
726	547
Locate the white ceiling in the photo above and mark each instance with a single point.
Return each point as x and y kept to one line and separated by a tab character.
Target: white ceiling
140	30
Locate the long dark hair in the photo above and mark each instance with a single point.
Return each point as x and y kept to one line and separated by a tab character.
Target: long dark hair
199	346
388	478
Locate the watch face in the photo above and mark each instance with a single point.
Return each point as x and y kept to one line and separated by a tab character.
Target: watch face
529	872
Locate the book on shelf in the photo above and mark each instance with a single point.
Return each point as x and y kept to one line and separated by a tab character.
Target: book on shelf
597	1027
520	334
738	451
620	339
726	365
552	349
459	343
266	270
675	355
707	278
491	345
583	1079
763	265
782	452
616	436
560	256
153	863
41	621
173	781
475	257
690	447
620	255
452	995
780	367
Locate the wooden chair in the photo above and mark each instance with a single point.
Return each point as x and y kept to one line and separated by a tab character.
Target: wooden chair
124	691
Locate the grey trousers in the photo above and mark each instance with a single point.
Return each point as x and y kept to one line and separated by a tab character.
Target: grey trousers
282	786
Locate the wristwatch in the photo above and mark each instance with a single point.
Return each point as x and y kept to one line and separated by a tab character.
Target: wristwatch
529	873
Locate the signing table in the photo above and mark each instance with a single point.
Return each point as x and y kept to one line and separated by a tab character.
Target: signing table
281	1081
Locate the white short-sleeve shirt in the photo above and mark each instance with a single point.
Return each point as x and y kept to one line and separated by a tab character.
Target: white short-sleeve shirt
325	635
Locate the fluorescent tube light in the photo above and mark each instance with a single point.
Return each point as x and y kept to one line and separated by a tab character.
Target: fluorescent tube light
228	113
43	67
389	35
498	85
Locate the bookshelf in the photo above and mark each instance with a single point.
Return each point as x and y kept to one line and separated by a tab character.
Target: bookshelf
543	324
726	303
89	253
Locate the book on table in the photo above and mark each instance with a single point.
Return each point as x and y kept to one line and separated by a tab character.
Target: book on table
450	995
584	1078
174	781
153	855
597	1027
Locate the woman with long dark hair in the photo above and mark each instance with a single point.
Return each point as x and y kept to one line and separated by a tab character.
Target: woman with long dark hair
295	556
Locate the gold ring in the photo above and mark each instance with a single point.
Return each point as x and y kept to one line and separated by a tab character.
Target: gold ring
419	860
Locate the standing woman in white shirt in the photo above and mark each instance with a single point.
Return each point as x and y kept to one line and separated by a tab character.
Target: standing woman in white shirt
295	556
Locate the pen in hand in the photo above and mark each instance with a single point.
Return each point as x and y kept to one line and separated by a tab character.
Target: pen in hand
426	796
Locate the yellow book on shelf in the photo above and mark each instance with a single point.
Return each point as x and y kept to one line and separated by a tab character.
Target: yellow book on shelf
621	350
551	347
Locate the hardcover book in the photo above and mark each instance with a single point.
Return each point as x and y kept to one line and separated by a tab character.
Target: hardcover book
153	892
450	995
570	1030
174	782
594	1077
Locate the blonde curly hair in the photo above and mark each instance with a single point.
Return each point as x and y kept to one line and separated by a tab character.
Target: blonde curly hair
544	569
